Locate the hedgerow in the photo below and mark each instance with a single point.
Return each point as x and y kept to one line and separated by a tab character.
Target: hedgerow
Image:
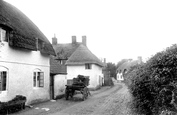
154	84
130	73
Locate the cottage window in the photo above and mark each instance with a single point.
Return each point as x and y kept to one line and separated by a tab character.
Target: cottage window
61	62
88	66
3	76
3	35
38	79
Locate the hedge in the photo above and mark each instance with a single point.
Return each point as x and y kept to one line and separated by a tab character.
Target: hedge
154	84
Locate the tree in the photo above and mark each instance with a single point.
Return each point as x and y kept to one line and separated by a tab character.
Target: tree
112	68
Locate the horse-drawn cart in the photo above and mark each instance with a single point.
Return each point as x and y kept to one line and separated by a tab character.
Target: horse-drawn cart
79	84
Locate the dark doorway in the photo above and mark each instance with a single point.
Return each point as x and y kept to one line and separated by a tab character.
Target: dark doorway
51	86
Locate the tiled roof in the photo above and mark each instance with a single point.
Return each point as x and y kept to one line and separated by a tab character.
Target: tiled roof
56	67
83	55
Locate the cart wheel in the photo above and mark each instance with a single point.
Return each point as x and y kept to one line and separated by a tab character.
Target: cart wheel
72	93
66	94
87	92
84	94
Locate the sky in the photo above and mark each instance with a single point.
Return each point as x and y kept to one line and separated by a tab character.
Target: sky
115	29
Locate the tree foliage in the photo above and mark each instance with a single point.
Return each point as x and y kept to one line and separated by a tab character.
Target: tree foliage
154	83
112	68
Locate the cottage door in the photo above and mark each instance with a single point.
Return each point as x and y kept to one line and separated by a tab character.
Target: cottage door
52	87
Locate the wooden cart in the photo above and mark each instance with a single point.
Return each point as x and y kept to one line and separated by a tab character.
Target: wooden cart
79	84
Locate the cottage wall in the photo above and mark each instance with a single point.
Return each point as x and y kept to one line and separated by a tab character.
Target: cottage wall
95	74
59	84
21	65
120	77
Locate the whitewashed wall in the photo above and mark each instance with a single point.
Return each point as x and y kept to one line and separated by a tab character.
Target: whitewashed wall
21	64
94	73
120	77
59	84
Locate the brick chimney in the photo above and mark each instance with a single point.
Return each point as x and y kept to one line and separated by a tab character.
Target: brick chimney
84	40
54	40
74	39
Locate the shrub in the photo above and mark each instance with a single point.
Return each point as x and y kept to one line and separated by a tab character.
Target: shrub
130	74
154	83
13	105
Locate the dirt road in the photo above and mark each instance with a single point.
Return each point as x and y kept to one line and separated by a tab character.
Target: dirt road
107	101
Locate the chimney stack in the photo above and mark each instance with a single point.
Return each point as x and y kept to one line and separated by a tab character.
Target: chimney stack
54	40
105	60
84	40
139	60
74	39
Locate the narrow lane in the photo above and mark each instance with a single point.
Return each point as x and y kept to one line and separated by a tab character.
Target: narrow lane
106	101
115	104
111	102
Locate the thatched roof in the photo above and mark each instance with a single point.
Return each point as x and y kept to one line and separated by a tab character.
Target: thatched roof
23	32
127	65
83	55
64	51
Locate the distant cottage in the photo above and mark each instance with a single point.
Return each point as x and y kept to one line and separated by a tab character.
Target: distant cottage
75	59
24	57
126	66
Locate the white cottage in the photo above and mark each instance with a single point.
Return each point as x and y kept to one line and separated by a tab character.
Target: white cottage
84	62
126	66
24	57
58	70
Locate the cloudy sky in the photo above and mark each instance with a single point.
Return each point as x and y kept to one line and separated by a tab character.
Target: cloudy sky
115	29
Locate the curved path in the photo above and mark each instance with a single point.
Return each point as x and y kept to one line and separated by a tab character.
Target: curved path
106	101
110	102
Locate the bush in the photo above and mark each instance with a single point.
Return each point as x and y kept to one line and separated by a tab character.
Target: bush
154	83
130	74
13	105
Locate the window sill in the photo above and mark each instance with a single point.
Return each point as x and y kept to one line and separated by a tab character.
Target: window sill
3	92
38	87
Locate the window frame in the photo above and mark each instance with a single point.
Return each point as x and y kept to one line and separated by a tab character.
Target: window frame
2	87
88	66
6	34
38	78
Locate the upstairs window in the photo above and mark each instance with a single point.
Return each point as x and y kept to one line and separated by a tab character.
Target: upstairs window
38	78
88	66
61	62
3	35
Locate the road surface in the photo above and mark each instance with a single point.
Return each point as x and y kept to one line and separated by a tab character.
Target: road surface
106	101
